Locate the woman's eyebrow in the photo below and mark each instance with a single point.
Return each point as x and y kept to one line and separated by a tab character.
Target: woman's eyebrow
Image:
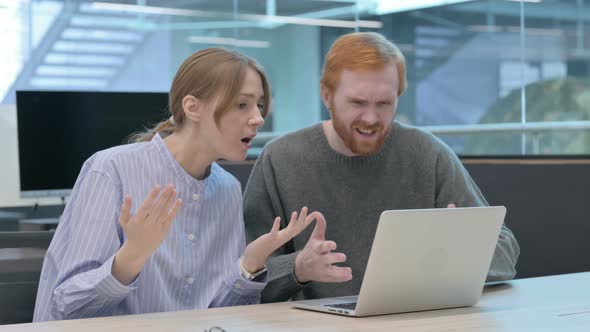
250	95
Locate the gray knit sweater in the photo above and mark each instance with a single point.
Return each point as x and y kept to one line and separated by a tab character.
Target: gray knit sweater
412	170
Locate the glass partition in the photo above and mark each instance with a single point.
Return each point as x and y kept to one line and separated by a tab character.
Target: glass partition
490	77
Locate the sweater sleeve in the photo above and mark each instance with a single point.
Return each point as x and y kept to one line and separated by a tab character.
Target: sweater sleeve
262	203
455	185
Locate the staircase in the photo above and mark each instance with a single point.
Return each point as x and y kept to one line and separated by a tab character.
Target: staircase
436	41
83	49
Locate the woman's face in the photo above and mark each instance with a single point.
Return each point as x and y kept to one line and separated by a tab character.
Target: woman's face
233	137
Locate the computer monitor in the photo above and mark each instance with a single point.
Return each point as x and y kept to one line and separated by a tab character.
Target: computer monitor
59	130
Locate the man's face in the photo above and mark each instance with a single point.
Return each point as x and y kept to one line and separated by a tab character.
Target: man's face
363	106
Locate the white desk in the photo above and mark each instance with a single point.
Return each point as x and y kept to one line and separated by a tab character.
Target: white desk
557	303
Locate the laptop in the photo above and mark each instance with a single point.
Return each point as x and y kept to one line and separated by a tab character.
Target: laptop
423	260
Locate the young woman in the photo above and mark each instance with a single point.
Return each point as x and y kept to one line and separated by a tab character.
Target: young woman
183	247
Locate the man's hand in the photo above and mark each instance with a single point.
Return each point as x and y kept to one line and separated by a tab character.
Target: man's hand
258	251
314	262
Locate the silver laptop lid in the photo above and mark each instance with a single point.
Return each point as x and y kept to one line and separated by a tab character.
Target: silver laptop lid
429	259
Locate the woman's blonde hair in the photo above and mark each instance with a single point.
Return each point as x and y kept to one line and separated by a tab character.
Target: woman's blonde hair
362	51
210	74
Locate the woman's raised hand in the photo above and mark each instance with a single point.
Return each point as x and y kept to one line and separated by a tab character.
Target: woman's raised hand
145	231
150	224
258	251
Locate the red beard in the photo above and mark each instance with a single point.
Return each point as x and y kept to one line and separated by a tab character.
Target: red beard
354	142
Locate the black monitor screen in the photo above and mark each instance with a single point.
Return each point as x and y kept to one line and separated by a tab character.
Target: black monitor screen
59	130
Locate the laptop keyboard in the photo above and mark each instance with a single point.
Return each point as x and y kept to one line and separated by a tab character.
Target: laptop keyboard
347	306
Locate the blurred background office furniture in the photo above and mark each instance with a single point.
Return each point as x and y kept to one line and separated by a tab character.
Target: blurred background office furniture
548	209
21	259
9	220
38	224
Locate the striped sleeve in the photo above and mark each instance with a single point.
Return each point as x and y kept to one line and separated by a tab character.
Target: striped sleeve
79	282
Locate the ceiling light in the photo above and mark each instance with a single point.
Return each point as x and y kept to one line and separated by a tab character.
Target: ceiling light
228	41
389	6
246	17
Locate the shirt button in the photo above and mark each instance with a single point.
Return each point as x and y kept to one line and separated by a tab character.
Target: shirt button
237	285
190	281
195	197
191	237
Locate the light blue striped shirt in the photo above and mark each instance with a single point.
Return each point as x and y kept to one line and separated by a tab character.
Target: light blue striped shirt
195	267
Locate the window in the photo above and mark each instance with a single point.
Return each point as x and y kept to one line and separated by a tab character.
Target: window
468	61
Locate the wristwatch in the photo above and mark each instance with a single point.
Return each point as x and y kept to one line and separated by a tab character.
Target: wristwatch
250	276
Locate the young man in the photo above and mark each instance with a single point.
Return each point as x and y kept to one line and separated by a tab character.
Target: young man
351	168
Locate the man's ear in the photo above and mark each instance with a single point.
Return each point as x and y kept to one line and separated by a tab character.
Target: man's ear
326	97
192	108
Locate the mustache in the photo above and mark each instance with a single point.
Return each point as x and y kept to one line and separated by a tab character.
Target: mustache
365	126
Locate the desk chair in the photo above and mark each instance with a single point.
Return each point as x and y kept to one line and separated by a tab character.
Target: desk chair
21	259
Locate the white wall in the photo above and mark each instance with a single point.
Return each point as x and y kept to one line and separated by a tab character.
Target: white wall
9	175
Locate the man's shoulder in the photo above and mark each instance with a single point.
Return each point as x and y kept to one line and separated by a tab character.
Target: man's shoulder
410	131
408	135
295	142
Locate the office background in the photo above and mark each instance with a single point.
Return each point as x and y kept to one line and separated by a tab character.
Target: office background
506	83
490	77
